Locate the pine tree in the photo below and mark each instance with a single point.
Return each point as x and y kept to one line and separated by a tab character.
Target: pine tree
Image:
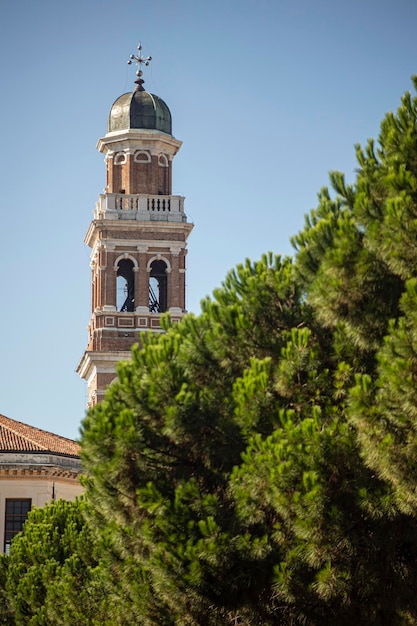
256	465
51	576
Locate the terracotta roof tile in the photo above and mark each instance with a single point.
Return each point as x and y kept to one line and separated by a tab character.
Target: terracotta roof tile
18	437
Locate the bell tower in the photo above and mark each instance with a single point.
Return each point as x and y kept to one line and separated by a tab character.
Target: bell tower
138	235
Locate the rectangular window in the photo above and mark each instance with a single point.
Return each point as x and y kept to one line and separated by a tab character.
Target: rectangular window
16	514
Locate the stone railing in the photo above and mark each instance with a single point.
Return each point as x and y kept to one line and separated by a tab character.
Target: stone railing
140	207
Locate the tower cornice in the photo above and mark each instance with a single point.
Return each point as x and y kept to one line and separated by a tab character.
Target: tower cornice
153	140
111	228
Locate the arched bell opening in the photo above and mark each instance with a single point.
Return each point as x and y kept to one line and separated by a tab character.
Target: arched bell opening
158	280
125	286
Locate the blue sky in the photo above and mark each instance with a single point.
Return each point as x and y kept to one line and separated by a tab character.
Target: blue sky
267	97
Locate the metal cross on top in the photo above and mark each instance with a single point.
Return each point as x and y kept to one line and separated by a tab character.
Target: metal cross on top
139	60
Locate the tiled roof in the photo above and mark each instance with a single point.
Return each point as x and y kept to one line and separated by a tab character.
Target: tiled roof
18	437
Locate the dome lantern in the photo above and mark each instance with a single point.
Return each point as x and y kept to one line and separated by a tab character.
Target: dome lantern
139	109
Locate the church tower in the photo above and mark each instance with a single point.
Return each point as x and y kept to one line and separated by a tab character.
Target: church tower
138	235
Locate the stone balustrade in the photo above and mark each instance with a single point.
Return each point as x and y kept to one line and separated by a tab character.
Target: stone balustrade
140	207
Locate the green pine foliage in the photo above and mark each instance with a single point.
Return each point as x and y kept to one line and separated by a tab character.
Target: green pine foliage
256	465
178	407
51	577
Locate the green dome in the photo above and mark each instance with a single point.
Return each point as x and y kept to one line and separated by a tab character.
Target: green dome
141	110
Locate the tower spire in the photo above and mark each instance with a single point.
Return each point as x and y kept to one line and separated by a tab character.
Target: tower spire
140	60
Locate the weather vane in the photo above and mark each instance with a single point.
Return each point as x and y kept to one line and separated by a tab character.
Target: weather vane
140	60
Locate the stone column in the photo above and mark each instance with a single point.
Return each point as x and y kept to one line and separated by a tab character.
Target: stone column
173	294
110	299
176	279
129	177
170	276
109	170
142	283
93	287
